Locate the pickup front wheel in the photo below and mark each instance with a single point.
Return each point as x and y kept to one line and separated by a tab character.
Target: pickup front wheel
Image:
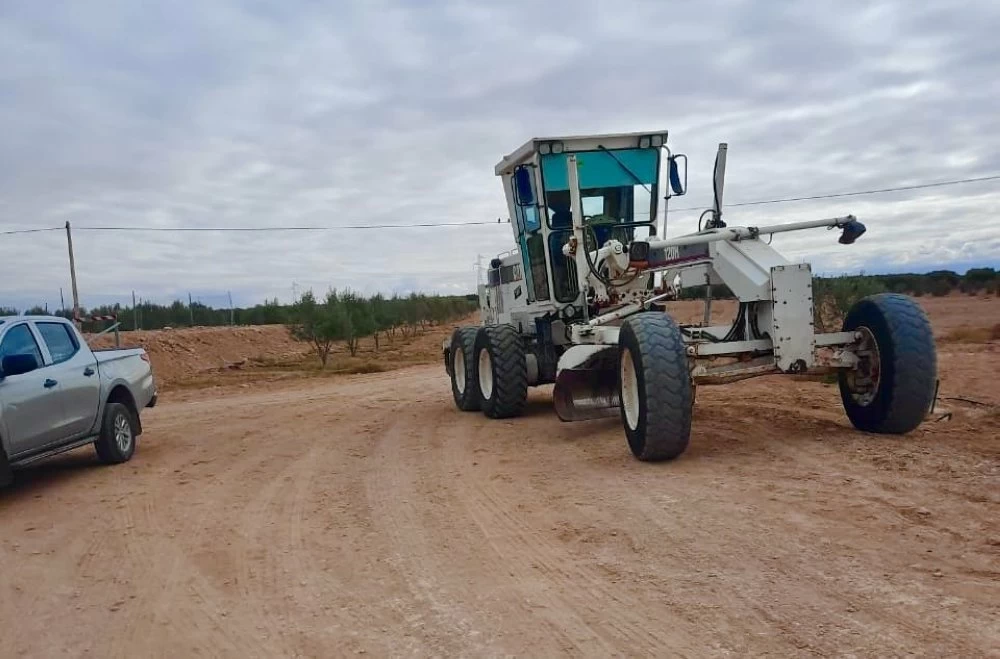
116	443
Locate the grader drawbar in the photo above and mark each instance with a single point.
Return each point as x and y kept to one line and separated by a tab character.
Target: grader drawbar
580	302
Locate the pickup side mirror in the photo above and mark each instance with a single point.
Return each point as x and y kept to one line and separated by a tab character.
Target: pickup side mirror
18	364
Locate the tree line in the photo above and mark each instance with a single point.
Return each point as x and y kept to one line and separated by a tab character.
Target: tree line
942	282
349	317
937	283
394	314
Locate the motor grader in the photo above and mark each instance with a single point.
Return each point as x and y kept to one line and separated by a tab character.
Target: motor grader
580	302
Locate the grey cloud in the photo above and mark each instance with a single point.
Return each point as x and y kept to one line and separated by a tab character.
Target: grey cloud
393	112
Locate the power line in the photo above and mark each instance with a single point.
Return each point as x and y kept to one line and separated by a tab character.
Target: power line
13	231
347	227
858	193
293	228
266	228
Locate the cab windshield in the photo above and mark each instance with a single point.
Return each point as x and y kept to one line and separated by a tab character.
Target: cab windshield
618	199
615	185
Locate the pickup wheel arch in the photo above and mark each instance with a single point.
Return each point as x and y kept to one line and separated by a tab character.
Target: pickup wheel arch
121	394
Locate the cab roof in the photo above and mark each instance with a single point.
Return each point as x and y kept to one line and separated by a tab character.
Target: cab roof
575	143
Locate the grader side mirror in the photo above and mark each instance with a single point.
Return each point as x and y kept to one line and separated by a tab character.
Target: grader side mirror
523	189
678	179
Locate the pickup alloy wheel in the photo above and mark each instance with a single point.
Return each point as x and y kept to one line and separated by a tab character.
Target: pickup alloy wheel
116	442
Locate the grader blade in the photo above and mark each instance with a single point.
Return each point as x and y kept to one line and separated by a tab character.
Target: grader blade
586	393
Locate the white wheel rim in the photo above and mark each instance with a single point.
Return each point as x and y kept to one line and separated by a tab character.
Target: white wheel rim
458	368
485	374
630	390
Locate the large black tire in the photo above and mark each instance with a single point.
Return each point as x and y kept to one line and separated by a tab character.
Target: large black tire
654	386
462	369
116	443
906	361
501	371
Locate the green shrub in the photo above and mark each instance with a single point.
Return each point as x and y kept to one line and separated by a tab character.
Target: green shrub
834	296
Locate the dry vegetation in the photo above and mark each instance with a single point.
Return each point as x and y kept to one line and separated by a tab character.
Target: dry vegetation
969	334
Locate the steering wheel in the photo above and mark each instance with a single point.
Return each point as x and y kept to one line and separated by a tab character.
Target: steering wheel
596	220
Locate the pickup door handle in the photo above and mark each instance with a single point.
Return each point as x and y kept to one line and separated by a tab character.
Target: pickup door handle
50	383
88	371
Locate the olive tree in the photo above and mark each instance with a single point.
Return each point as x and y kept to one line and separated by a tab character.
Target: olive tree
321	324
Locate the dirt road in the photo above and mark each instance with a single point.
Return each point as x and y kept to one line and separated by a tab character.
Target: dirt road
366	515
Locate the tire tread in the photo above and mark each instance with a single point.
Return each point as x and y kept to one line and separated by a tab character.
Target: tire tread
666	427
910	372
510	372
464	339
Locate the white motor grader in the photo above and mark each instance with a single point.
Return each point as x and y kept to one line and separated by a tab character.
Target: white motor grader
580	303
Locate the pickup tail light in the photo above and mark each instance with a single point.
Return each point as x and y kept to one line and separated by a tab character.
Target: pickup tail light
144	357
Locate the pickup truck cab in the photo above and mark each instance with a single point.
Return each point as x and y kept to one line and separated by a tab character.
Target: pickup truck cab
57	394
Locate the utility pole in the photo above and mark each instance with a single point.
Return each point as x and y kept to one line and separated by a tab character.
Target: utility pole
135	314
72	276
232	312
62	301
191	308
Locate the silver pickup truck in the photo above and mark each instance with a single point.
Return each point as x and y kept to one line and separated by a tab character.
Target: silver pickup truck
57	394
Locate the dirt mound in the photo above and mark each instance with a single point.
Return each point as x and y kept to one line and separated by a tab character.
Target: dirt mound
179	354
210	356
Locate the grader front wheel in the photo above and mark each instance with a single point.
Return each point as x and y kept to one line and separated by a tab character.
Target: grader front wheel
654	387
892	388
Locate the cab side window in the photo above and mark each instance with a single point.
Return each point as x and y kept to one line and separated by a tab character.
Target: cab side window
20	341
62	345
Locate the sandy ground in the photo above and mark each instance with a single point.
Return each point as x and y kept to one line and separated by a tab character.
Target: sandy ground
364	514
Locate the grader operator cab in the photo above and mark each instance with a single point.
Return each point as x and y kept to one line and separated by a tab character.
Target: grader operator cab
580	303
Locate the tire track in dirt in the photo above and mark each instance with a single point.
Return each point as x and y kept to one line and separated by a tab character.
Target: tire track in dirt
868	484
851	608
471	550
168	585
601	617
285	576
172	582
395	509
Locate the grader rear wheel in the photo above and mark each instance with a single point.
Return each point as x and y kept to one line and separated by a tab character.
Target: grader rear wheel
462	370
654	387
501	371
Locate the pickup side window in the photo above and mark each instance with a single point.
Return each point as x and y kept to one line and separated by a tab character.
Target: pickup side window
20	341
62	344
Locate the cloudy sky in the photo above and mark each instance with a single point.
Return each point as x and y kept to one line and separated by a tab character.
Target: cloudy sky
226	113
